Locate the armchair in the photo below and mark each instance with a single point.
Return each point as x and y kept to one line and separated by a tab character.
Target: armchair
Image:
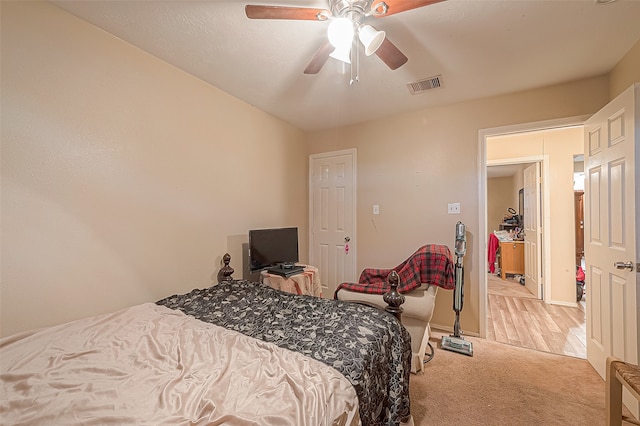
430	267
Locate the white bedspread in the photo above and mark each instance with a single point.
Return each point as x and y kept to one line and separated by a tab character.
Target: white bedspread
150	365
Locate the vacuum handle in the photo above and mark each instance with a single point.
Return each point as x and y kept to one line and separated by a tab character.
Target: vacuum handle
461	239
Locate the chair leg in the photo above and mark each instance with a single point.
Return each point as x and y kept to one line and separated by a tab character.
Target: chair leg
613	396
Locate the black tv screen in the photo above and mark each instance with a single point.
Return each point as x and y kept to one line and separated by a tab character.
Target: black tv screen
270	247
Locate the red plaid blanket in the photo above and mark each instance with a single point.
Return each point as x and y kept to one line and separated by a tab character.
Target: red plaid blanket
431	264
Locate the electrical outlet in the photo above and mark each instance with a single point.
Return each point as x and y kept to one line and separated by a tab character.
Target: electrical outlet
453	208
376	209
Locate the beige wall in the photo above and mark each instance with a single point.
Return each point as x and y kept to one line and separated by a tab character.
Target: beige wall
124	179
626	72
499	198
560	146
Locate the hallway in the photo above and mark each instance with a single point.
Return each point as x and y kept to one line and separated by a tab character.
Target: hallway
517	318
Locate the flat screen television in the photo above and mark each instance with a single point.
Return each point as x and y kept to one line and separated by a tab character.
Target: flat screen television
271	247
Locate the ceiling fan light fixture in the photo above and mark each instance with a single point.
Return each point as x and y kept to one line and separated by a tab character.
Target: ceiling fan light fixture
370	38
340	33
342	54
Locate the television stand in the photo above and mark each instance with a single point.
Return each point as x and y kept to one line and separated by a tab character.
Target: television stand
304	281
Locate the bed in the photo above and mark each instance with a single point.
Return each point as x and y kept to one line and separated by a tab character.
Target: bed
236	353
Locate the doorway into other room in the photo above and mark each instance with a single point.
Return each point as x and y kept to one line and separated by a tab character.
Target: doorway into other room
544	317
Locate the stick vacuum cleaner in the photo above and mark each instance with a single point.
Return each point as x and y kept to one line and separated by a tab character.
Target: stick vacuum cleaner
455	342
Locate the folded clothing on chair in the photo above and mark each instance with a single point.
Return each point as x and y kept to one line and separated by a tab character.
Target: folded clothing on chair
430	264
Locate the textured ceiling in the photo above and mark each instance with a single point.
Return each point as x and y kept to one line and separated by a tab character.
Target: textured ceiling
479	48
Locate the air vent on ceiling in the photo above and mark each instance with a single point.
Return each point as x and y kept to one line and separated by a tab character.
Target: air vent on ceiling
425	84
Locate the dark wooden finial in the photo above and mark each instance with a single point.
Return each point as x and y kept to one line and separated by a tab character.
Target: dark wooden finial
226	271
393	298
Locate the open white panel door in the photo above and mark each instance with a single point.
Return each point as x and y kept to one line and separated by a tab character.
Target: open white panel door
612	146
332	195
532	230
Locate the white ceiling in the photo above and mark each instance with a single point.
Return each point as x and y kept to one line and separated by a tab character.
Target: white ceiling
479	48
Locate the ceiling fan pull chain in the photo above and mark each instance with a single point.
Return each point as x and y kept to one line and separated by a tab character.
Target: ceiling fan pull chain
355	64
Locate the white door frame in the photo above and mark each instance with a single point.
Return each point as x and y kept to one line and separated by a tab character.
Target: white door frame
482	241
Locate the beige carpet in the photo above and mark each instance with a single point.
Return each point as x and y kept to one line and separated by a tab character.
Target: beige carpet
506	385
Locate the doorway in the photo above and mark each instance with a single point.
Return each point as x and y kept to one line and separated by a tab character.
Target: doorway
513	203
524	179
555	298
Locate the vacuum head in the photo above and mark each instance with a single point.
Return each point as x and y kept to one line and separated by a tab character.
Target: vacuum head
457	344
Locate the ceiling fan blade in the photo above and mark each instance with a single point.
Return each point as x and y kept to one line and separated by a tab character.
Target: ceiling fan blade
284	12
391	55
319	58
397	6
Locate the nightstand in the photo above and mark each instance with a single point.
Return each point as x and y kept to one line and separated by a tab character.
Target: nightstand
306	282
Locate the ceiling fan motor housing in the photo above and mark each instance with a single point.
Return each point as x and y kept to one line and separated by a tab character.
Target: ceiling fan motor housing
342	7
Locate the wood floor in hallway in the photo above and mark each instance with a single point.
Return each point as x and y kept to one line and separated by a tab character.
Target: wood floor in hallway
517	318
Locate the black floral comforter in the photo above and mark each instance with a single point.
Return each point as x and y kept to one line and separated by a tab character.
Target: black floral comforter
368	346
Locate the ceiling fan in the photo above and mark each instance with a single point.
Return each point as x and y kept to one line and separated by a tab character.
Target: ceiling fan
347	20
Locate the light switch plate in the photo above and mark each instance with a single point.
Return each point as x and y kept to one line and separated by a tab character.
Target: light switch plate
376	209
453	208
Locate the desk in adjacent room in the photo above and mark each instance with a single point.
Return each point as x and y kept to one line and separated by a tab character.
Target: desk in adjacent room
306	282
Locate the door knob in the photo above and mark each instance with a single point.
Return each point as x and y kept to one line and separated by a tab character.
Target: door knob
347	239
624	265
